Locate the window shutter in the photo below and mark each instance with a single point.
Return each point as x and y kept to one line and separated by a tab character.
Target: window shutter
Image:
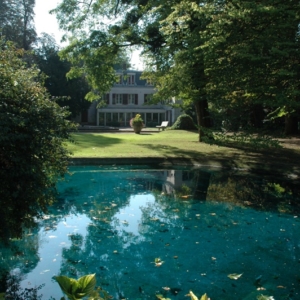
145	98
107	98
125	99
136	99
114	98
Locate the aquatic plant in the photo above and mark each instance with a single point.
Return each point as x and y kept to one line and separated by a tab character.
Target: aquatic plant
83	287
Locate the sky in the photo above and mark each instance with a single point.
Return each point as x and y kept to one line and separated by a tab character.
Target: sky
44	22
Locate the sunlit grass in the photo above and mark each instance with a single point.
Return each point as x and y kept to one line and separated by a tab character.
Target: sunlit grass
169	143
178	145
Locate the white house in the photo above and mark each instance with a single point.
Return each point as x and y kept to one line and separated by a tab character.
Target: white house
128	97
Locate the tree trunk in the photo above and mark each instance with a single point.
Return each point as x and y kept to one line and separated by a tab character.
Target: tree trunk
203	117
257	115
291	124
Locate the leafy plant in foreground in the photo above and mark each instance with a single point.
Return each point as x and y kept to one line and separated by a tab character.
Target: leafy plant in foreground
83	287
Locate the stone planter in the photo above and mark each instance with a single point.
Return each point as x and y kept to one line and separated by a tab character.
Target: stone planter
137	128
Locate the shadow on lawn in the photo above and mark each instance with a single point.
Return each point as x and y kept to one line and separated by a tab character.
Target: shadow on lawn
174	152
279	161
94	140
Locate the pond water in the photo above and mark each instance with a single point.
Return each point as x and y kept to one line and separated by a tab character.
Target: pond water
201	225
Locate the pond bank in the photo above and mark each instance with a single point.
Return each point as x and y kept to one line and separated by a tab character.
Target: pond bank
273	167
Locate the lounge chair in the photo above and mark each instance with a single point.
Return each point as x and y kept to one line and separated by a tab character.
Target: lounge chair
163	125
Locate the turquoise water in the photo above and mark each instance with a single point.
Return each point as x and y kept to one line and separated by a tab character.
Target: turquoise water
202	224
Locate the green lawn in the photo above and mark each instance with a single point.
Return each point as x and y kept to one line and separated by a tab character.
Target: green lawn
169	143
176	144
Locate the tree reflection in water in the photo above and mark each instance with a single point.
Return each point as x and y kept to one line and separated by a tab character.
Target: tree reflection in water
202	225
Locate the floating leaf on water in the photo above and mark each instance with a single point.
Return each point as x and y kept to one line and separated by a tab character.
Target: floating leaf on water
213	258
158	262
185	196
161	297
175	256
212	214
264	297
261	288
235	276
281	287
166	288
192	295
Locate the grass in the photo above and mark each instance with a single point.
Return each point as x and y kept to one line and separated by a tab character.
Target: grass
179	145
169	143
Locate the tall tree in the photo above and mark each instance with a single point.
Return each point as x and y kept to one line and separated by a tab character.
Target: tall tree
138	23
252	57
238	56
17	22
178	65
71	91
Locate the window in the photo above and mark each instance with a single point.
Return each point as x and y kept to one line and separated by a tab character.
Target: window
108	117
101	119
148	117
155	117
115	117
117	98
130	79
128	117
132	99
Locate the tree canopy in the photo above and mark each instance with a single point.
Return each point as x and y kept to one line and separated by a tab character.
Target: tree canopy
237	58
17	22
70	92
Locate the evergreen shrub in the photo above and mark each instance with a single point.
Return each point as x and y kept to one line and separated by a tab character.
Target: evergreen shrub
184	122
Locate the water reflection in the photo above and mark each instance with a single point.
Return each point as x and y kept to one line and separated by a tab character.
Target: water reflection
202	224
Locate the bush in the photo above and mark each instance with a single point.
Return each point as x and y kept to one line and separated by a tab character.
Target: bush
184	122
33	129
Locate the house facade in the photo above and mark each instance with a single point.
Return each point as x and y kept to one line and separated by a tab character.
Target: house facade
129	96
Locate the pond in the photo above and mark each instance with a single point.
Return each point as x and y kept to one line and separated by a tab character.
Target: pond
147	231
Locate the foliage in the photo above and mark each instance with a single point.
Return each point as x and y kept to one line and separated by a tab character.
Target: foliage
250	50
78	289
33	131
194	297
245	140
184	122
17	22
71	92
136	121
15	291
235	57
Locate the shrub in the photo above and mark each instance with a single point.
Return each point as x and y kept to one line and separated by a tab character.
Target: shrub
184	122
32	153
